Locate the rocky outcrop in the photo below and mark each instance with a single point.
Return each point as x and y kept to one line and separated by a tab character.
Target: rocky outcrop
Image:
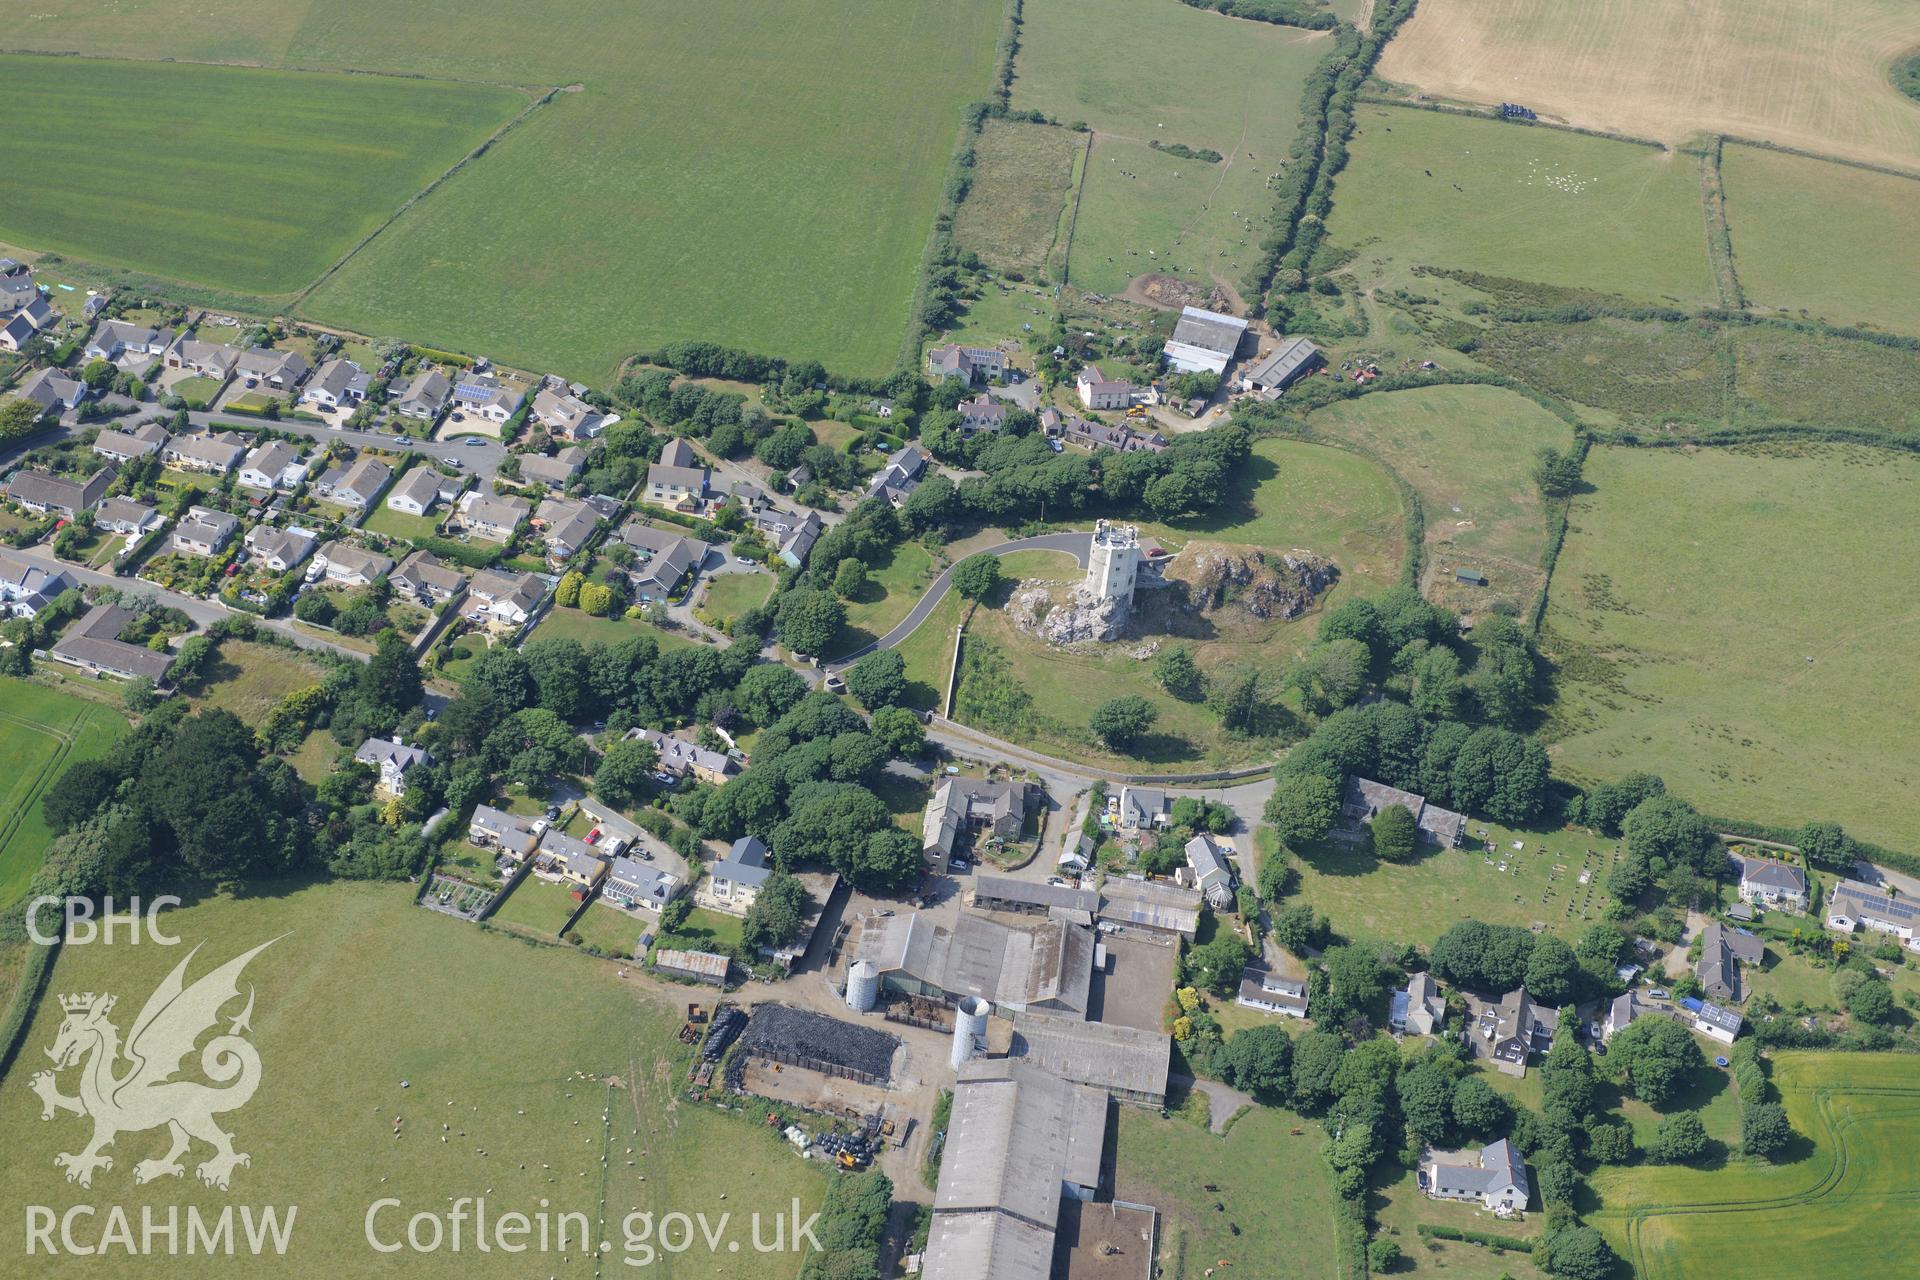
1082	617
1268	586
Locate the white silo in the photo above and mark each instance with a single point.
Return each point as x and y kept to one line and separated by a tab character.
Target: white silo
969	1029
863	986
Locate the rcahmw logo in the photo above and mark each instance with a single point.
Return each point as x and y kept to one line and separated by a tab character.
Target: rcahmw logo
130	1087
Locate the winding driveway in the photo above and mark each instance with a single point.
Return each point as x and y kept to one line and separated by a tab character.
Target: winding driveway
1076	545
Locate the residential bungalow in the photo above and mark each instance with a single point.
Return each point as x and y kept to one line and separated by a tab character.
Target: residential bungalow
1853	906
1496	1178
127	345
1780	886
417	491
352	566
280	549
273	466
203	359
1142	808
1715	1021
565	526
632	883
569	860
1210	865
678	480
53	391
1204	341
26	588
1722	950
1513	1029
424	397
792	535
900	477
93	644
280	370
503	599
958	804
340	384
556	472
1280	368
41	492
512	834
393	760
1154	906
213	453
681	758
143	441
968	364
494	519
693	966
664	560
982	413
1418	1009
1097	391
487	397
1365	799
124	516
202	532
426	580
359	486
734	881
568	417
1271	993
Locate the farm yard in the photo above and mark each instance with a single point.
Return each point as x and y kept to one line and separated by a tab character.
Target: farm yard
1822	237
1124	69
1810	74
1467	451
1429	188
1702	632
42	731
260	180
571	1095
1829	1212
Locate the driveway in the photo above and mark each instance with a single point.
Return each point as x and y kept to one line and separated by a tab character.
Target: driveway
1223	1101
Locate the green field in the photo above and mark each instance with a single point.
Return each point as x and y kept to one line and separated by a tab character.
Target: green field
1420	900
1022	176
42	731
1822	237
1842	1207
570	1093
236	178
1273	1183
248	678
891	592
1704	631
1467	451
1781	375
1141	71
1541	204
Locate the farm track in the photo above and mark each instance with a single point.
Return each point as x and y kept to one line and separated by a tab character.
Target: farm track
1825	1189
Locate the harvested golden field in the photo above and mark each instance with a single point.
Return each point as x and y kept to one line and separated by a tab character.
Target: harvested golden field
1811	74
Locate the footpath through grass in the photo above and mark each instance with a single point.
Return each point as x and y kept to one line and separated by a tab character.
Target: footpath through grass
42	731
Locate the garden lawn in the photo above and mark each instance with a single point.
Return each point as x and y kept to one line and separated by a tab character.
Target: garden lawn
611	929
401	524
1403	1206
1705	631
1539	204
891	592
1820	236
536	906
1839	1205
247	678
258	180
577	1077
1126	67
1274	1184
728	595
704	930
1468	452
588	629
1416	902
42	731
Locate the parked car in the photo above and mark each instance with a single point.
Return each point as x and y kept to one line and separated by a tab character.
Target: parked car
473	440
455	463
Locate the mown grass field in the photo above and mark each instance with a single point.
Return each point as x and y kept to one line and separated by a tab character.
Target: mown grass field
1023	174
1432	189
42	731
1841	1205
1806	73
1468	452
1274	1184
891	592
237	178
1823	237
728	595
1741	622
1126	67
568	1092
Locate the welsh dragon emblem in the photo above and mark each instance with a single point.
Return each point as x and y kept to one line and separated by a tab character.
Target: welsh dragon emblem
143	1093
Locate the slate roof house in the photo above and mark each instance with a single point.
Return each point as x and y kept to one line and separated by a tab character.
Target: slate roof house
280	549
53	391
556	472
92	644
278	369
982	413
353	566
119	342
417	491
680	757
1721	952
1097	391
503	599
426	579
393	760
1419	1009
492	828
1853	906
212	452
565	525
143	441
361	484
1212	869
1621	1013
1142	808
39	491
495	519
900	477
567	416
677	480
273	466
1496	1178
424	397
1365	799
967	364
1513	1029
339	384
1272	993
488	397
734	881
957	803
665	558
632	883
1767	883
207	359
27	588
121	515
